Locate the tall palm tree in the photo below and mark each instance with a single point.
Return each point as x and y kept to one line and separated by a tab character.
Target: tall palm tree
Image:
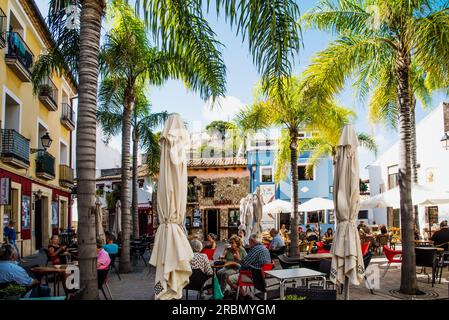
370	33
143	122
127	62
292	111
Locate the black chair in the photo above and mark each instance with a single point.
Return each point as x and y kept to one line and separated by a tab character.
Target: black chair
102	277
312	293
287	263
138	252
310	264
260	284
276	253
443	262
427	257
112	266
366	261
197	282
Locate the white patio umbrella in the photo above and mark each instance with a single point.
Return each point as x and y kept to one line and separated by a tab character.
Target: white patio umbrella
242	218
172	252
118	218
421	195
258	205
277	206
347	261
99	221
249	215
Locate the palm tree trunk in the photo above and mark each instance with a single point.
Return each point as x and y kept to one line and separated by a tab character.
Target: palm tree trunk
294	250
135	200
91	15
409	283
414	153
125	259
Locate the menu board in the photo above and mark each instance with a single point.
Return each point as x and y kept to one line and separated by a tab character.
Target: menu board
197	223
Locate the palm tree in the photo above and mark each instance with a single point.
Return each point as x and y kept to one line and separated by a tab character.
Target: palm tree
129	62
370	33
143	122
292	111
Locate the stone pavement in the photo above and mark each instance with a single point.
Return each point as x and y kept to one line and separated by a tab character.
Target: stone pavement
139	284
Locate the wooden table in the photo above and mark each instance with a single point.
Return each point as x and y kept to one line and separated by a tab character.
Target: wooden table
423	243
318	256
57	272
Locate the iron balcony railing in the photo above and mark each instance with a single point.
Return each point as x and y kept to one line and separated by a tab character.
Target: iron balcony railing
18	49
66	174
49	89
2	28
45	164
67	113
14	145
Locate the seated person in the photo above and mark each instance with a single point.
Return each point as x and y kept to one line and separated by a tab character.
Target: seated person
441	237
11	272
301	234
383	229
211	241
110	247
329	235
277	245
234	253
256	258
311	236
103	260
200	260
55	250
242	235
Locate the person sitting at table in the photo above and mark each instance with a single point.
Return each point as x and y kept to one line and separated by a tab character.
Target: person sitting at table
242	235
110	247
234	253
383	229
211	244
441	237
103	259
301	234
11	272
256	258
311	236
277	245
55	251
200	260
329	235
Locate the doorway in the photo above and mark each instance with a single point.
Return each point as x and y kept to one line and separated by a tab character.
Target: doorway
212	222
38	224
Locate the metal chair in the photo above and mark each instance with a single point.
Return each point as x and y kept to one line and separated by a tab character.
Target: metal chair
427	257
391	255
112	266
197	282
102	277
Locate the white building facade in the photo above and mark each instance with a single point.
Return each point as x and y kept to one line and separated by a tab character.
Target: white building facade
433	163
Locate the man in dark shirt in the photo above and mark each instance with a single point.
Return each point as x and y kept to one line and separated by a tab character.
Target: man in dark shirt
441	237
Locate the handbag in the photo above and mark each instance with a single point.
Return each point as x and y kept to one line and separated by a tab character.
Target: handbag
218	294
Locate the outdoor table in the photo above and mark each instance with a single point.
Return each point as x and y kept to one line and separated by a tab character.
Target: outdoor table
284	275
318	256
56	271
424	243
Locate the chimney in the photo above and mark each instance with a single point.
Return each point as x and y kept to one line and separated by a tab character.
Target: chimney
446	116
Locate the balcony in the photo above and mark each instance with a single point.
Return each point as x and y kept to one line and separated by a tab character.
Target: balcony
15	149
66	176
48	95
19	57
67	116
2	29
45	165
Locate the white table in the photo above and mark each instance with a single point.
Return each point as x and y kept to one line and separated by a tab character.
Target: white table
296	273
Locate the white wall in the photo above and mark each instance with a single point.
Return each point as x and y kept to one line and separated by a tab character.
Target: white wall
432	158
107	156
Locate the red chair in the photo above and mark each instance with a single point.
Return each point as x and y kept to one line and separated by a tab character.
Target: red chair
209	253
391	254
248	273
365	247
320	246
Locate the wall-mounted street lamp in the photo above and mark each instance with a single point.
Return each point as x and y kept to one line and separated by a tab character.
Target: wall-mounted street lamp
45	142
38	194
445	141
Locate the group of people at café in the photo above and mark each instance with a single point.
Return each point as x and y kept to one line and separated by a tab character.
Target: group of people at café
236	258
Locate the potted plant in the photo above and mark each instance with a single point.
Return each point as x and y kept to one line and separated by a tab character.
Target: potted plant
12	291
45	90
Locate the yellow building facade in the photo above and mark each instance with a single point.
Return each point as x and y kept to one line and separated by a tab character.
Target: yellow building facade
36	181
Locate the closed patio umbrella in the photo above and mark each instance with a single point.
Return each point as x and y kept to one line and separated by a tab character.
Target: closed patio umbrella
249	215
347	260
118	218
258	205
172	252
99	221
243	207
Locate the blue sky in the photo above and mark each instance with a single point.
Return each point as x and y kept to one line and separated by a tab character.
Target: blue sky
241	78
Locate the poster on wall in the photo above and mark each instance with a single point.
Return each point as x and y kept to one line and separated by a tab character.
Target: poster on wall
268	193
54	213
196	218
26	213
5	191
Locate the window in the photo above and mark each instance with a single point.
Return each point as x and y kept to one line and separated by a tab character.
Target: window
363	214
235	181
302	173
266	174
393	177
233	217
141	183
315	217
431	215
209	190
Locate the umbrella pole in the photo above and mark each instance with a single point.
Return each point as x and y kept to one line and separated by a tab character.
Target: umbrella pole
346	294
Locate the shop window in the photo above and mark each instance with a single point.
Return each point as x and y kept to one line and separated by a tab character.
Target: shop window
266	174
233	217
302	173
315	217
431	215
363	215
209	190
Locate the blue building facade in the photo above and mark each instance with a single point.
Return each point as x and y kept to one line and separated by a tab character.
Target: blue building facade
261	165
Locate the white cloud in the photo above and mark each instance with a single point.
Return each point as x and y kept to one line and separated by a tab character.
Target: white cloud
224	108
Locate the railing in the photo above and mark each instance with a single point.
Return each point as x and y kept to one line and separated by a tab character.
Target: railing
14	145
47	88
67	113
2	26
18	49
45	164
66	174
